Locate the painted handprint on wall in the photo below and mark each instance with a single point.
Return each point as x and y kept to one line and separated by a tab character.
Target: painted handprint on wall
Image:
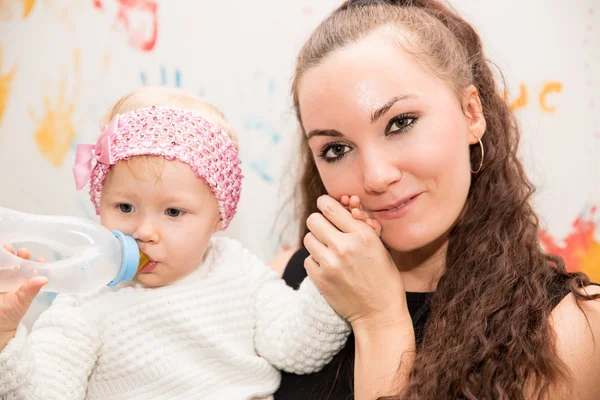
139	18
55	129
5	85
260	127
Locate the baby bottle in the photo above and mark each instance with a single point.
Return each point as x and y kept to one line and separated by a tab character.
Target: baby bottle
91	255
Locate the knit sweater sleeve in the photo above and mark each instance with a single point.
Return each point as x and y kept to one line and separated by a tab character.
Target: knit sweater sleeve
55	361
296	331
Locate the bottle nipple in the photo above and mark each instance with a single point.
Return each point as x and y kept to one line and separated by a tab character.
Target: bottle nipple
143	261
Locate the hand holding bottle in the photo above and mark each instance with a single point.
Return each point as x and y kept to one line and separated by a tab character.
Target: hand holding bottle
89	255
14	306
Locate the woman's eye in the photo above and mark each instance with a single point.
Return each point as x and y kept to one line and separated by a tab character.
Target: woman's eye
401	124
336	151
126	208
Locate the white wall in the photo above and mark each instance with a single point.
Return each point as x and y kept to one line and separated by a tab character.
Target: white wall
72	60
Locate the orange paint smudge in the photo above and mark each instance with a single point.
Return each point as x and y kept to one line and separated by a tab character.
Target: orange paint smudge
550	87
5	86
580	249
10	9
27	7
521	101
55	130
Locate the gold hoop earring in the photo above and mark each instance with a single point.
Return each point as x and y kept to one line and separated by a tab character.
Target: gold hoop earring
482	154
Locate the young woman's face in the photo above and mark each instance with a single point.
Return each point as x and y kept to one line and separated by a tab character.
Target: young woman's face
383	127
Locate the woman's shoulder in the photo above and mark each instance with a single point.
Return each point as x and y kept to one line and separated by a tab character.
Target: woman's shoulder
571	309
280	262
577	327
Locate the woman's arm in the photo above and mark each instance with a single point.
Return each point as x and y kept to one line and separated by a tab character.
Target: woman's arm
355	273
384	355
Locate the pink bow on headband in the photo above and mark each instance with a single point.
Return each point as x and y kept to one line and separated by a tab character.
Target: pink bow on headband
85	153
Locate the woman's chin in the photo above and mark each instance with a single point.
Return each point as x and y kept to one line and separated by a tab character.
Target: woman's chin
403	246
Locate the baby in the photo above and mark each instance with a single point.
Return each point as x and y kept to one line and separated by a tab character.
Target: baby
204	319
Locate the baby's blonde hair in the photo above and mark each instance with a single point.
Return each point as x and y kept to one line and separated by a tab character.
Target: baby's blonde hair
164	96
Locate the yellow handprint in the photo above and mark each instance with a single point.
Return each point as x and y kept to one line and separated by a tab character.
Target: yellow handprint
5	86
55	130
27	6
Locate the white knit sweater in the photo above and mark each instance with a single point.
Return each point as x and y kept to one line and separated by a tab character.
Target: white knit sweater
220	333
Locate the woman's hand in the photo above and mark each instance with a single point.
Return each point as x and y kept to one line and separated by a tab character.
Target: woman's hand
352	268
14	306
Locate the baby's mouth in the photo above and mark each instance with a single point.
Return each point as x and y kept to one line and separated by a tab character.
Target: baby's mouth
143	261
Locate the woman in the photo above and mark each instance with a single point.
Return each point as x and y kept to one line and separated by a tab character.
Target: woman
399	107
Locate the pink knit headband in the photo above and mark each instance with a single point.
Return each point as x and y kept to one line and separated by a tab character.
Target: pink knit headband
171	133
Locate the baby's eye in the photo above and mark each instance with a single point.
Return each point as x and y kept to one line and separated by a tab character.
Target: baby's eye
126	208
173	212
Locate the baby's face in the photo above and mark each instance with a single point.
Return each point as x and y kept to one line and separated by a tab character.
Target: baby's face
167	209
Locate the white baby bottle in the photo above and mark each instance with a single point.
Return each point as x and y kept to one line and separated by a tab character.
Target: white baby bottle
91	255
